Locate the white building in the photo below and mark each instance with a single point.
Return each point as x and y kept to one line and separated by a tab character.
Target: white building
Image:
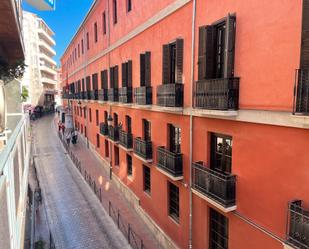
41	76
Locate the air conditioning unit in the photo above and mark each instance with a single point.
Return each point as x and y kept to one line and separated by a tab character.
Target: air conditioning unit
2	108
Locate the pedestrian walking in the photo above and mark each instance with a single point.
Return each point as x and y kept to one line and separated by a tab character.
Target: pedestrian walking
68	138
74	136
63	129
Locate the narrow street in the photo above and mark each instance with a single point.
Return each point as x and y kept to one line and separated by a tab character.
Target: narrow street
76	217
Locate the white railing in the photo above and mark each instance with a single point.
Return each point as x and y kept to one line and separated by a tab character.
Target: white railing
14	166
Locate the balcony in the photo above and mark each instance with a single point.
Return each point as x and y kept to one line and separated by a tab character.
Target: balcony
104	129
48	69
47	37
125	140
83	95
215	187
298	226
94	95
65	95
46	80
301	92
103	95
143	149
125	95
113	133
47	58
113	94
170	95
143	95
88	95
47	48
170	163
217	94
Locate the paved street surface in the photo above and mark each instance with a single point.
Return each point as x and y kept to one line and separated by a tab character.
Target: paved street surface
77	219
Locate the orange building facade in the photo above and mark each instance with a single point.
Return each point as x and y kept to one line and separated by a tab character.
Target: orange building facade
202	108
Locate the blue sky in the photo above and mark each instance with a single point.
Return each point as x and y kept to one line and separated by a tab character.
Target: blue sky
64	21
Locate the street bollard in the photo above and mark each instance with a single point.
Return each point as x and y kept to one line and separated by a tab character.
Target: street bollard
129	231
118	217
100	195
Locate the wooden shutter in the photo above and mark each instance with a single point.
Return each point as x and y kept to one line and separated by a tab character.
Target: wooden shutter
116	76
148	69
229	46
179	60
202	53
95	81
111	76
166	64
210	51
304	57
102	79
129	75
142	69
105	79
124	74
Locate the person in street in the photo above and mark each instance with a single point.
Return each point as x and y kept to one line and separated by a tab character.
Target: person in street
68	138
74	136
63	129
59	126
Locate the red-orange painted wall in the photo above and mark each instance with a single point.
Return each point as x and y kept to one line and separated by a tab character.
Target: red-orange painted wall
269	161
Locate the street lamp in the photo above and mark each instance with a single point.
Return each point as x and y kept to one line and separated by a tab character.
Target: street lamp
110	122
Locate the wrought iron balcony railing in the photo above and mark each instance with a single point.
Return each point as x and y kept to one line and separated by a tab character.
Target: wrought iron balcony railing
88	95
125	95
65	95
113	94
125	139
298	225
83	95
143	148
217	186
301	92
113	133
143	95
104	129
170	95
170	162
94	94
103	94
217	94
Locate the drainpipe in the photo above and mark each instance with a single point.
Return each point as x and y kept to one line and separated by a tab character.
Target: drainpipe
191	123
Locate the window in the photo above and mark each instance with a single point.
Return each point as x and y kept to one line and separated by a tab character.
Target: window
145	69
87	40
173	62
129	165
98	141
218	230
113	74
128	123
216	49
97	117
82	129
83	85
88	83
82	46
115	11
75	53
95	32
105	117
146	130
106	149
221	153
116	149
85	112
173	204
115	119
104	80
95	81
104	22
78	50
174	138
90	115
129	5
147	179
127	74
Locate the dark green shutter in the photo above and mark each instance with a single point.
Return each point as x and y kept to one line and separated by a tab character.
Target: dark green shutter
166	64
142	69
102	79
124	74
202	53
111	76
210	52
148	69
105	79
116	76
129	74
179	60
304	57
229	46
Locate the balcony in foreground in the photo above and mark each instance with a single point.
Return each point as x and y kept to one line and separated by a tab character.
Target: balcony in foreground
143	95
113	133
217	94
297	227
170	163
215	187
104	129
170	95
103	95
113	94
301	92
125	95
126	140
143	149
